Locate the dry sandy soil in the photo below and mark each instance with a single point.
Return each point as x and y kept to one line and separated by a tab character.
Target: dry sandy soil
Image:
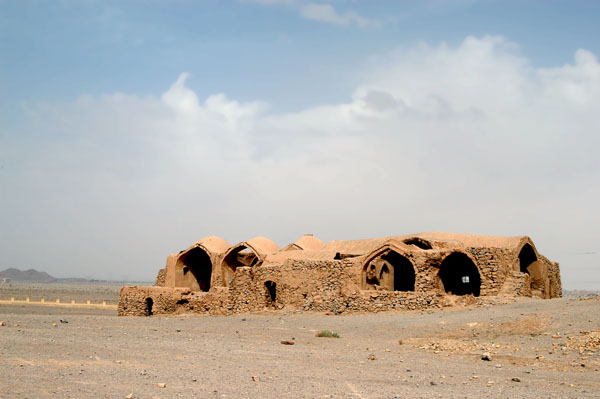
538	348
66	292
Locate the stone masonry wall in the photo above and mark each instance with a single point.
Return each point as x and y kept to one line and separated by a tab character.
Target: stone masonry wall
495	265
335	286
160	278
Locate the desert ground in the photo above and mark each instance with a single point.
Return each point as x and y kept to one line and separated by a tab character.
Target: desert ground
537	349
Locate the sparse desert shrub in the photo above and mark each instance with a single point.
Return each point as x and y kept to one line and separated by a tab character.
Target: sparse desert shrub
328	334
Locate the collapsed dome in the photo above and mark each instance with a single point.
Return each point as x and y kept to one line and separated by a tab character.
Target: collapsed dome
418	242
239	256
246	254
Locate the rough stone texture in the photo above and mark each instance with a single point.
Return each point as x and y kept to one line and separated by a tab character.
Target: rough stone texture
160	278
402	272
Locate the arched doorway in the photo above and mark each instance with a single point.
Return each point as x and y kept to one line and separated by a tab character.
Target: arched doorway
526	257
530	264
390	271
270	293
149	305
459	275
197	270
240	256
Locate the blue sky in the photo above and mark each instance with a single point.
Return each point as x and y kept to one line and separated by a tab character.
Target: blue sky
130	129
60	50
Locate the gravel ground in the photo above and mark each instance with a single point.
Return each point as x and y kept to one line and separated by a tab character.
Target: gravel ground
435	354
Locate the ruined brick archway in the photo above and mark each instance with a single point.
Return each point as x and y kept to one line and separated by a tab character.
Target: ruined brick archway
538	274
459	275
249	253
389	271
196	268
240	256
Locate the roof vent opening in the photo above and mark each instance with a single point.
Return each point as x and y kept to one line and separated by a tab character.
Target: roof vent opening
418	242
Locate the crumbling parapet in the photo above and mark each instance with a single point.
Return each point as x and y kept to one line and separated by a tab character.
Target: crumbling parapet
160	278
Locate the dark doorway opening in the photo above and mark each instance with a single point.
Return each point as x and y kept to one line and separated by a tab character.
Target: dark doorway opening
197	269
528	263
149	304
271	292
391	271
418	242
459	275
526	258
404	272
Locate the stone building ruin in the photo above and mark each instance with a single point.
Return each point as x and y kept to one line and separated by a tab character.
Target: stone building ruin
398	272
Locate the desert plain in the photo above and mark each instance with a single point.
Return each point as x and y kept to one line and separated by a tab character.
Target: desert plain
521	348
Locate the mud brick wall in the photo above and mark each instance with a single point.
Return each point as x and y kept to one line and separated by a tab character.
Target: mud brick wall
322	286
294	282
338	286
134	301
516	284
427	267
495	265
555	284
160	278
373	301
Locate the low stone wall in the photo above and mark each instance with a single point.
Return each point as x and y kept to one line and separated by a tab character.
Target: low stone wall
146	301
322	286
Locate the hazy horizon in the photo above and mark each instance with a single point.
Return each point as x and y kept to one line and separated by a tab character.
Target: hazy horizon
129	131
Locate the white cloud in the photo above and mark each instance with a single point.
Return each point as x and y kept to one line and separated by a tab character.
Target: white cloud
325	13
328	14
470	138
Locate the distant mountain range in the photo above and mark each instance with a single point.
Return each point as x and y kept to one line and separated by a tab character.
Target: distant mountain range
33	276
30	276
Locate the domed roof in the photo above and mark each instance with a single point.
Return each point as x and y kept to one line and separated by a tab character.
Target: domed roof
213	244
308	242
